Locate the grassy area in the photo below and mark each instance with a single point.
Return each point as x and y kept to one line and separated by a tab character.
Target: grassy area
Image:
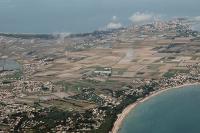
73	86
64	84
118	71
68	105
154	66
195	57
173	72
17	75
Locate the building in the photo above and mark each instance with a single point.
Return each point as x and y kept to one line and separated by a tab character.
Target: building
107	71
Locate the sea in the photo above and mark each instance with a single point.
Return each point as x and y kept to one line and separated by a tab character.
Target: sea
79	16
173	111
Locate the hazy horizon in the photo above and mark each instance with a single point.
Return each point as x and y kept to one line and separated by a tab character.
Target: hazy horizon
74	16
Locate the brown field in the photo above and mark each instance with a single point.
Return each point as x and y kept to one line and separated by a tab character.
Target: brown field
129	57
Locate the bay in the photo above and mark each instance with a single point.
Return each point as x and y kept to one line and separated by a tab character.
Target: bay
173	111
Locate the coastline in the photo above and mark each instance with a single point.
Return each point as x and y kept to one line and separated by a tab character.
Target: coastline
121	117
57	35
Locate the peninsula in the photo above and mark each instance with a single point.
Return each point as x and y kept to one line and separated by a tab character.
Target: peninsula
90	82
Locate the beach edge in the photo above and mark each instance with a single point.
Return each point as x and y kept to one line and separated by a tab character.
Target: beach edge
121	117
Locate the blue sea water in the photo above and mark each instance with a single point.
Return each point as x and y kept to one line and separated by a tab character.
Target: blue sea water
174	111
74	16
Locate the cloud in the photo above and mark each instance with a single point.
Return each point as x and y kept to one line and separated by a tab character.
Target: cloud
114	24
114	18
61	36
197	18
139	17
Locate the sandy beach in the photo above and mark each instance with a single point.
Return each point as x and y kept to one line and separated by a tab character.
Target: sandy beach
128	109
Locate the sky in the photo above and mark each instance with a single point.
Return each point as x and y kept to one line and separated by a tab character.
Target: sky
44	16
